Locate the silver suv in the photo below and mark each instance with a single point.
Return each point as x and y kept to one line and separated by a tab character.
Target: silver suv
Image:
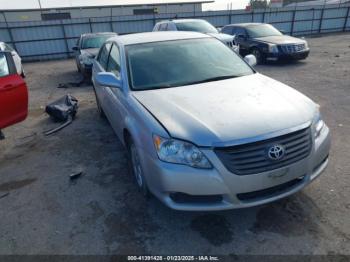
206	132
197	25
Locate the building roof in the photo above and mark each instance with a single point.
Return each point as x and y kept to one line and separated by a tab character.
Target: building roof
58	4
294	3
160	36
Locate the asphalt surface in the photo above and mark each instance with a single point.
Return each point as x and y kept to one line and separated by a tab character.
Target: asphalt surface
43	212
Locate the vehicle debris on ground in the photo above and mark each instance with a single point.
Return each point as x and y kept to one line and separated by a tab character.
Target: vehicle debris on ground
62	110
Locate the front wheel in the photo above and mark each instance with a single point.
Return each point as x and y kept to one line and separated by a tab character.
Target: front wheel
136	169
23	74
259	56
100	111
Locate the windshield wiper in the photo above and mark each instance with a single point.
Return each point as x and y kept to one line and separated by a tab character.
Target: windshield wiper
217	78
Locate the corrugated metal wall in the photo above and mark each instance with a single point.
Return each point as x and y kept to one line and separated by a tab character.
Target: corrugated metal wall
42	40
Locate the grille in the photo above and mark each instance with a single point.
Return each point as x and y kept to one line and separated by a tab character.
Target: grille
230	44
183	198
289	49
252	158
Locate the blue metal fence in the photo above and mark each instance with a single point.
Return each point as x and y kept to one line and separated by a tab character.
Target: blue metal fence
42	40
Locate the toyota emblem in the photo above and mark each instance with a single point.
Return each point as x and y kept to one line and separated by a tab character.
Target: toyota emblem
276	152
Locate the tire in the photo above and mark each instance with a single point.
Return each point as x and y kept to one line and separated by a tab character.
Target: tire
23	74
100	111
136	169
259	55
78	67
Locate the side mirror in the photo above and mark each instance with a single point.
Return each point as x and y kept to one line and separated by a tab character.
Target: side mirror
251	60
13	53
75	48
108	79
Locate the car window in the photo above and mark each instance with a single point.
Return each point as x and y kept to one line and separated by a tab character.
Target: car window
8	48
4	68
163	27
114	61
169	64
196	26
227	30
262	30
240	31
103	55
94	42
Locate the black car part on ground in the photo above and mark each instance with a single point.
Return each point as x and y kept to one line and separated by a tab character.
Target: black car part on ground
63	109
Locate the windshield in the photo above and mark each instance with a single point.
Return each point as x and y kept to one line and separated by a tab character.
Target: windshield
262	31
196	26
95	42
182	62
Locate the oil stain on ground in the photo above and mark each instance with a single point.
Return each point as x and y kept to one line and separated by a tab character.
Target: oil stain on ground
289	217
130	226
12	185
214	228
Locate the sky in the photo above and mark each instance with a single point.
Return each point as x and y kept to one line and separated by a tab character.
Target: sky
12	4
223	4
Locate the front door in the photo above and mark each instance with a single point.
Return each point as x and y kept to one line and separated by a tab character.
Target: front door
13	93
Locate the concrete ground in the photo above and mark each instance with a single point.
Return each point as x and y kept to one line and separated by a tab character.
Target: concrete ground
102	212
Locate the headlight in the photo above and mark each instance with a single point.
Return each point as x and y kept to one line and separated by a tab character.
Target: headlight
180	152
319	123
306	45
273	48
86	60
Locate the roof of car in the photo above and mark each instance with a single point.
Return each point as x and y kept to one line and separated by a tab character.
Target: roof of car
179	20
185	20
97	34
150	37
246	24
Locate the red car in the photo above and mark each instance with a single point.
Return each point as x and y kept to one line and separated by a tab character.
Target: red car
13	93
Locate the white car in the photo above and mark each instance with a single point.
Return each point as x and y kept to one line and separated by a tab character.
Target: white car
197	25
16	58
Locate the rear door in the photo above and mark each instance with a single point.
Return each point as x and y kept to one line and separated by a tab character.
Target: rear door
13	93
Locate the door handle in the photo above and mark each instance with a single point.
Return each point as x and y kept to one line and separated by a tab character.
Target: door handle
9	87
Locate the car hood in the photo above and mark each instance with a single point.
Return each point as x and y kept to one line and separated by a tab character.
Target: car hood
91	52
281	40
221	113
222	37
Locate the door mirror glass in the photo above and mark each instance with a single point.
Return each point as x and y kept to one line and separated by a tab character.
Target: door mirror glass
75	48
108	80
251	60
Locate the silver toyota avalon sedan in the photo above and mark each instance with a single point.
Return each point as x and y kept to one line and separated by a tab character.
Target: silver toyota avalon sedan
203	129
